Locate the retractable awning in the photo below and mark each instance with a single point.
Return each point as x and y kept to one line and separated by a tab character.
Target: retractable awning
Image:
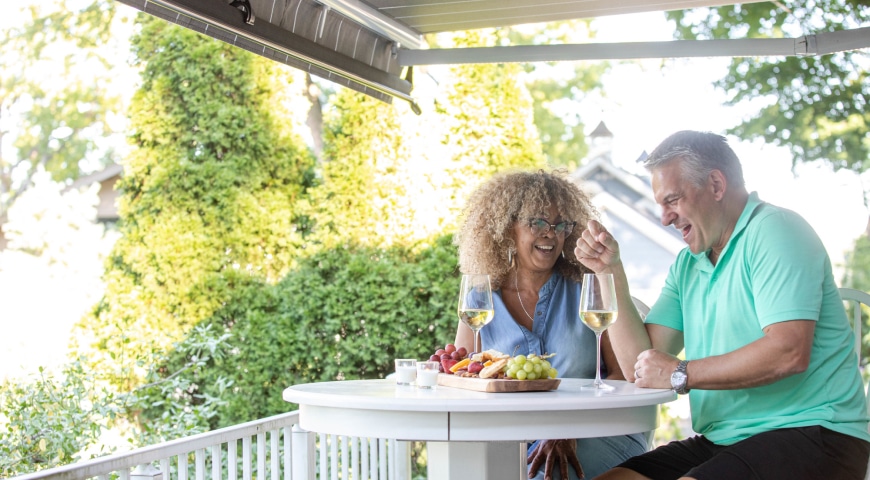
368	45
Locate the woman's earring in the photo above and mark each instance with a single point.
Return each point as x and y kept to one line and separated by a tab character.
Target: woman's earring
563	253
510	257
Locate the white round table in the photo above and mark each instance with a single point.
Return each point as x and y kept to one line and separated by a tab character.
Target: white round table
475	426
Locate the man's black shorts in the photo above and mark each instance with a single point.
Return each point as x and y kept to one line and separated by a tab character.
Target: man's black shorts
792	453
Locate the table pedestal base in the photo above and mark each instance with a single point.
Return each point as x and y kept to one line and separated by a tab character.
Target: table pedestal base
478	460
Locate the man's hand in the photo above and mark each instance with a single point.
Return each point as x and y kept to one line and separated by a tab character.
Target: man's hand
550	451
596	248
654	368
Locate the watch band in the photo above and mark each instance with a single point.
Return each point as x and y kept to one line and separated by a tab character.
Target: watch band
682	389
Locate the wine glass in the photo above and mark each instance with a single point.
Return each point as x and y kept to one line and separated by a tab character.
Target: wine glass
475	304
598	310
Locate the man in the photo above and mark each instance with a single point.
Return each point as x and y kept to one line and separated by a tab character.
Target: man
774	387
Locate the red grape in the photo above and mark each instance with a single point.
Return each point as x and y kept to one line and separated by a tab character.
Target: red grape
450	348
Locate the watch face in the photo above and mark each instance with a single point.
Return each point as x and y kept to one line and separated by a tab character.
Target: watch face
678	380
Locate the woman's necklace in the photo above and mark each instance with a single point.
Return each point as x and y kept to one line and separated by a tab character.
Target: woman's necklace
516	286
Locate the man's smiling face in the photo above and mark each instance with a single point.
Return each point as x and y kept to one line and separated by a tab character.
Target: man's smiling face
692	210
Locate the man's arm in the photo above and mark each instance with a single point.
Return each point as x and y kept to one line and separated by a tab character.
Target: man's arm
784	350
598	250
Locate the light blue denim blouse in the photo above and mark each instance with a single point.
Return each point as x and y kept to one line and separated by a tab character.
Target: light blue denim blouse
557	329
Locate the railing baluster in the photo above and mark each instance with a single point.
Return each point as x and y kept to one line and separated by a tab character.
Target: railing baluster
216	467
199	459
164	469
382	458
261	456
373	459
391	463
333	454
182	466
288	454
232	460
246	458
345	453
274	458
354	457
364	457
324	456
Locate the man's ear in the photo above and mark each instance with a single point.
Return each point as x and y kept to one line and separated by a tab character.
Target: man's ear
718	184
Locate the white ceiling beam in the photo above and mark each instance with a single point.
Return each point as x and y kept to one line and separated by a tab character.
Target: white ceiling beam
818	44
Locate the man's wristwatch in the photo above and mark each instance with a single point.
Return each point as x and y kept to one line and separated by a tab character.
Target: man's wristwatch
680	379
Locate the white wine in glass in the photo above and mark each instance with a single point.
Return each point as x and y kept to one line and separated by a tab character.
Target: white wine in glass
475	304
598	311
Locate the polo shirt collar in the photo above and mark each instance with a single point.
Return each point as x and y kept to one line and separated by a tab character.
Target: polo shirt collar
752	203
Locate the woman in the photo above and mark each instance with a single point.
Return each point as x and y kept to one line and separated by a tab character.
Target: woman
520	228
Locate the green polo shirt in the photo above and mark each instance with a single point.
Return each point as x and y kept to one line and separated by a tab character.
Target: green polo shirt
774	268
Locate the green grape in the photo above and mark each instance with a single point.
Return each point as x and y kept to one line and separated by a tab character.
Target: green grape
546	365
552	373
520	359
512	371
532	376
529	367
521	374
538	369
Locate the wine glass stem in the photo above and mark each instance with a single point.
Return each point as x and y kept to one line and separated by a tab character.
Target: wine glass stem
476	340
598	361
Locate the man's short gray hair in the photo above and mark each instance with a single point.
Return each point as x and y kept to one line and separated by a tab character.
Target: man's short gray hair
700	153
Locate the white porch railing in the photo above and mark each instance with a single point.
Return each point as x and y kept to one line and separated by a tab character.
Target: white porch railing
271	448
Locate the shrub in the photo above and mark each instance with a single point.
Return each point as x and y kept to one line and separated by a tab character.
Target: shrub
343	313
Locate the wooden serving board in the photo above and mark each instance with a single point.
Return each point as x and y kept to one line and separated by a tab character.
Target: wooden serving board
498	386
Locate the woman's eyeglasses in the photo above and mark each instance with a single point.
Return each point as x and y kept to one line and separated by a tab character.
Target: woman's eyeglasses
540	227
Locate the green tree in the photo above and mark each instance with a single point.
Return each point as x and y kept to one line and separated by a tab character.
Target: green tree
555	90
488	116
65	128
343	313
814	105
209	199
365	177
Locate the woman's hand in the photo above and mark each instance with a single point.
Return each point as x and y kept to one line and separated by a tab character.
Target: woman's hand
596	248
550	451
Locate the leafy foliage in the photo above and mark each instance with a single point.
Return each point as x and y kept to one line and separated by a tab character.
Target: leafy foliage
365	176
208	197
239	273
815	105
343	313
49	419
555	90
487	118
58	127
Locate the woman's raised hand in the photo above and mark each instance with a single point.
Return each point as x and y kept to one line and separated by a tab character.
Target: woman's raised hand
596	248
